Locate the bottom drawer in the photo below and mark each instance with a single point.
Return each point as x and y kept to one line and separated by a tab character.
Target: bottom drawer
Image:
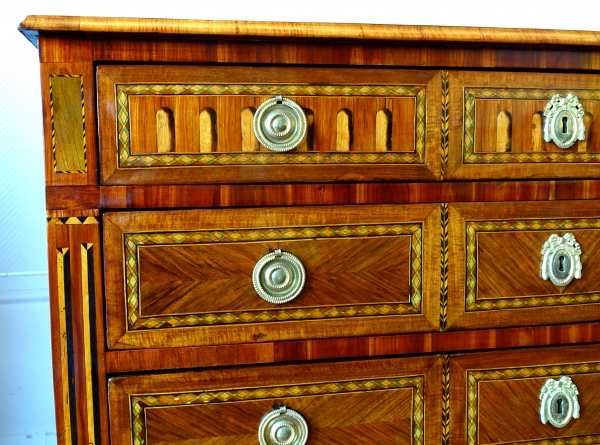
510	397
395	401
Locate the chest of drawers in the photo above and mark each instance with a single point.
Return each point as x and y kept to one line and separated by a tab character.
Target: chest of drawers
277	233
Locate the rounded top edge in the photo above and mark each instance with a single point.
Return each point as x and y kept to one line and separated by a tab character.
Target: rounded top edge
310	31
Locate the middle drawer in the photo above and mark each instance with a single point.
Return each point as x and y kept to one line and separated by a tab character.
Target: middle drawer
226	276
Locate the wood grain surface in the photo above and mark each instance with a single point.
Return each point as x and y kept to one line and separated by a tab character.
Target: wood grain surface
75	270
388	272
268	195
495	396
342	104
500	253
218	278
483	97
485	192
188	110
245	29
494	277
386	401
330	349
71	157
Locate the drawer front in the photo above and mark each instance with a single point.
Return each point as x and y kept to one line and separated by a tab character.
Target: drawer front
498	129
186	277
495	263
184	125
498	398
379	402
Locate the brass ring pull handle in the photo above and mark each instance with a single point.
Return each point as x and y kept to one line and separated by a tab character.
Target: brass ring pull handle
278	277
561	261
280	124
558	402
282	426
564	121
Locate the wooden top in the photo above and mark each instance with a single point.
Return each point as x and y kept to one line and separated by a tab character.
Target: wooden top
33	26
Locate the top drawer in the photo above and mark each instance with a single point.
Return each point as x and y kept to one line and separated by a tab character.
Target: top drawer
186	124
521	125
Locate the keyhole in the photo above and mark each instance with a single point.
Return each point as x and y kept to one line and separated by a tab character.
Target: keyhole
565	124
561	264
559	406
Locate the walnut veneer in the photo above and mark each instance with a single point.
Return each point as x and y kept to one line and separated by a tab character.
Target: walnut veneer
418	202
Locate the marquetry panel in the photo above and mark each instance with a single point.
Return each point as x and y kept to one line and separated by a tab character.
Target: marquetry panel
376	402
194	270
497	396
170	117
494	268
498	127
68	124
77	334
69	112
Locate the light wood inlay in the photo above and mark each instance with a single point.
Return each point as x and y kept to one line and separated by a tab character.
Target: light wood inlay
249	141
68	124
384	130
588	122
62	270
343	130
87	274
165	130
504	132
537	132
208	133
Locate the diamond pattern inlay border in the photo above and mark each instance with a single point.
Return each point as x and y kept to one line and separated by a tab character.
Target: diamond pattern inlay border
138	403
474	377
473	227
471	157
129	160
133	240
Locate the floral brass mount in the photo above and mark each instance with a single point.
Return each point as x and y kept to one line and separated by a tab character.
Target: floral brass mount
561	260
559	402
564	121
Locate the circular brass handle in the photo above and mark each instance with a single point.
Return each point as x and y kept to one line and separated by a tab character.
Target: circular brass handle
278	277
561	261
558	402
564	121
282	426
280	124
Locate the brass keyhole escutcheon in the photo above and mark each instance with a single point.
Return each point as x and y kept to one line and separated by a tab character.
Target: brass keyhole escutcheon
558	402
561	262
563	123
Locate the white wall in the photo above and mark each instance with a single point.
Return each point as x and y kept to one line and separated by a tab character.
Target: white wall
26	411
